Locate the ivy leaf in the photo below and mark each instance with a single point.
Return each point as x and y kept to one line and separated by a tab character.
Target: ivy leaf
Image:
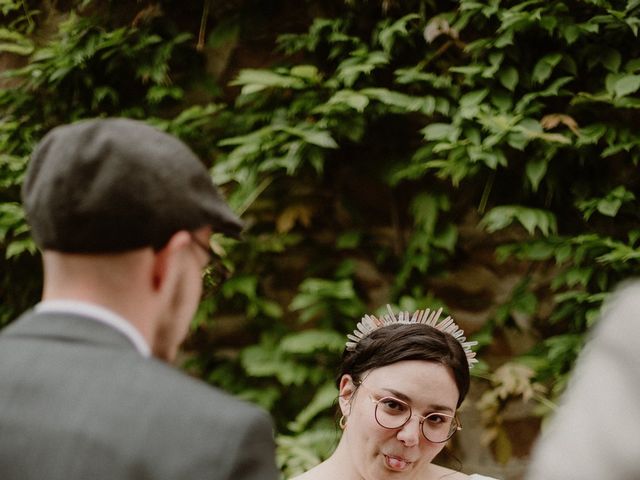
609	206
308	72
397	29
613	201
570	33
349	240
531	219
256	80
495	60
528	219
469	70
543	69
634	24
591	133
313	340
441	131
324	399
245	285
18	247
294	214
314	292
536	169
352	99
361	62
537	251
474	98
627	102
632	65
533	130
12	216
509	78
155	95
626	85
563	253
446	238
16	43
315	137
612	60
503	447
267	361
400	100
551	91
611	80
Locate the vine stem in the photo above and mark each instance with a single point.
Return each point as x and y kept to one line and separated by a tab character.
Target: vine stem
255	194
27	13
486	192
545	401
203	25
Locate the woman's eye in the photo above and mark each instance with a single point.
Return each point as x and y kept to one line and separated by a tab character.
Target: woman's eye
393	405
435	418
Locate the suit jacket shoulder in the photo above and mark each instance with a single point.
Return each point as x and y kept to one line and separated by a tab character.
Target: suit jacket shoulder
78	401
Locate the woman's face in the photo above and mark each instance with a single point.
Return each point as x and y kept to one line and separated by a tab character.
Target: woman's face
378	453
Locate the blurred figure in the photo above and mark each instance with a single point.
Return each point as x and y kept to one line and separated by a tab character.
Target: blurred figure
123	214
400	384
593	435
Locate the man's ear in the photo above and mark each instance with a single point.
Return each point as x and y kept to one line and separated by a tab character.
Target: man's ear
167	258
346	390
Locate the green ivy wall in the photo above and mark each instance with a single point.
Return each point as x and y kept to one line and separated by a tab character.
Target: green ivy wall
476	155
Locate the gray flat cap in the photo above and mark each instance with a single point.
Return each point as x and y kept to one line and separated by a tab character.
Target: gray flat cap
112	185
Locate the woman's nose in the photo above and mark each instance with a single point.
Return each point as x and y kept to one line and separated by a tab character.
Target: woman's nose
410	433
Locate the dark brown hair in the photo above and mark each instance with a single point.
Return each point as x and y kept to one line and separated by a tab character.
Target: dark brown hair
398	342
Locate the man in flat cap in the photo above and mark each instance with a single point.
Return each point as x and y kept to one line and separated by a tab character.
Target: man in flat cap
123	214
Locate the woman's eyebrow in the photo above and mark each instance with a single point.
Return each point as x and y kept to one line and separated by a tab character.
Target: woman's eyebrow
398	394
402	396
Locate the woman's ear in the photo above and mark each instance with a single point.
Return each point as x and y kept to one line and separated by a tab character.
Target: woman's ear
346	390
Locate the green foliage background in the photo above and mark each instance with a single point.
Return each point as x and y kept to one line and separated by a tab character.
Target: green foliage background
359	139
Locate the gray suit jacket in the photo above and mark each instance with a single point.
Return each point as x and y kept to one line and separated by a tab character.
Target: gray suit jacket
77	401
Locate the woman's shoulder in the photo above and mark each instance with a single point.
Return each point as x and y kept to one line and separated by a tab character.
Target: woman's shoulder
319	472
303	476
444	473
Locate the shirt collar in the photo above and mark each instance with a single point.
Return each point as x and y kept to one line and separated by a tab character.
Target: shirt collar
99	314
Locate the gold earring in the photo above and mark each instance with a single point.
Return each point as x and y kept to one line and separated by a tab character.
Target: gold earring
342	422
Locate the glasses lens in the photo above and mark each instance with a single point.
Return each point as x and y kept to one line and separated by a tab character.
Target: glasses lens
438	427
214	276
392	413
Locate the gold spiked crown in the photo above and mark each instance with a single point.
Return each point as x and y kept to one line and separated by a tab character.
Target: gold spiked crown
369	323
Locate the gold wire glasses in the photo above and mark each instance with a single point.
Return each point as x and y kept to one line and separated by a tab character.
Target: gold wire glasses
393	413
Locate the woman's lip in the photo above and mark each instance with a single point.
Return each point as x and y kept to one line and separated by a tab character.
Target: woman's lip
398	464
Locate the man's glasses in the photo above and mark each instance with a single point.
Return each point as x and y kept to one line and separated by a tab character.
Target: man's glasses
393	413
214	272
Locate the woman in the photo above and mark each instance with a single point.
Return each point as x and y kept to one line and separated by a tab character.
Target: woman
401	381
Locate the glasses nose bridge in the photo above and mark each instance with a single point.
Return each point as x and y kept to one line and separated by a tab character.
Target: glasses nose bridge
410	433
421	418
